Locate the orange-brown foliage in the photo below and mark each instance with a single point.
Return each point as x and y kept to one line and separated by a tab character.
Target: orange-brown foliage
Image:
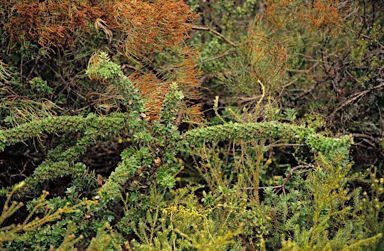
268	58
53	22
153	90
320	15
138	30
323	14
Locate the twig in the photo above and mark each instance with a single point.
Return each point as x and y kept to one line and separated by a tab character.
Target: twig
358	95
288	145
285	182
382	46
217	33
310	90
215	75
360	135
211	59
131	67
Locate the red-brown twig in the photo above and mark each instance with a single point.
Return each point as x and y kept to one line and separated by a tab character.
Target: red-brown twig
286	179
217	33
358	95
211	59
131	67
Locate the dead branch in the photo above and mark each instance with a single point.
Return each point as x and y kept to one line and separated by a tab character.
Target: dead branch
215	75
211	59
131	67
286	179
217	33
358	95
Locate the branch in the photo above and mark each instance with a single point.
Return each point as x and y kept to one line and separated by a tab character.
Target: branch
382	46
216	75
310	90
286	179
208	76
358	95
211	59
273	129
131	67
62	124
365	139
277	145
217	33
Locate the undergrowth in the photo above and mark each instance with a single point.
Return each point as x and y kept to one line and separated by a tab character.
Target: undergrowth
238	204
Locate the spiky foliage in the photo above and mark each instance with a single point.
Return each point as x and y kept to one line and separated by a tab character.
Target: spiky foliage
150	162
164	134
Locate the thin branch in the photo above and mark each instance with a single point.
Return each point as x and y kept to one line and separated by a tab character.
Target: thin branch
211	59
215	75
277	145
310	90
217	33
358	95
131	67
360	135
210	76
365	137
285	182
382	46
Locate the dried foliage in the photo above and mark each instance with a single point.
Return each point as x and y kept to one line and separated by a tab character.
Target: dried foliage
149	35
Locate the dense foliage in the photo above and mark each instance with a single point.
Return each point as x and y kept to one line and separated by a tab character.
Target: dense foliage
101	105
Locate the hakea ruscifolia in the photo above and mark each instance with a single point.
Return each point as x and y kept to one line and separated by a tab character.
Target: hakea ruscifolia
101	68
146	159
62	124
283	131
150	159
170	108
154	157
58	161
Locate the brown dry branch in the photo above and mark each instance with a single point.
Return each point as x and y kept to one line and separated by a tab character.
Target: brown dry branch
210	76
357	96
365	36
217	33
216	75
131	67
211	59
282	186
